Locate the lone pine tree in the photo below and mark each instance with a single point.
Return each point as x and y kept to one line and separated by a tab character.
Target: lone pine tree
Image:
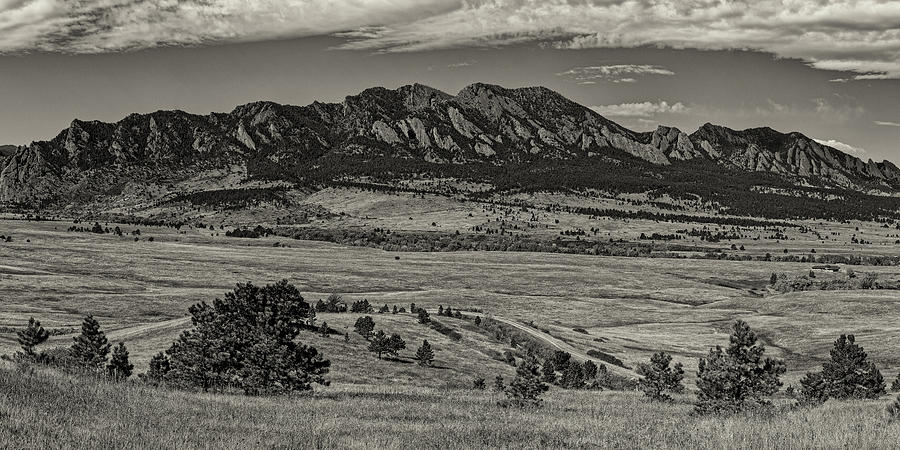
737	377
91	346
660	377
425	354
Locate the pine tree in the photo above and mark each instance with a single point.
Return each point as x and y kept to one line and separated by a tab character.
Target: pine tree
738	377
364	326
248	341
498	384
311	317
548	371
119	368
849	374
395	310
346	337
91	347
323	330
895	386
440	310
573	376
32	336
660	377
590	370
526	388
425	354
159	367
773	279
478	383
382	344
423	316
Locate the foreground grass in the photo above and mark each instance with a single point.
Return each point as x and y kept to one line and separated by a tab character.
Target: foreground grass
43	409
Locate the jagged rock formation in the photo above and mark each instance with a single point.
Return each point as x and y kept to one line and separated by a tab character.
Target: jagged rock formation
482	123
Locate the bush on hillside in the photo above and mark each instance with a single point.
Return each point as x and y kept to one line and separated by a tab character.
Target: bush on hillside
247	341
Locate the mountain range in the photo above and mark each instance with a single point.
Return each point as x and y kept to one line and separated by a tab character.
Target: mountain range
481	126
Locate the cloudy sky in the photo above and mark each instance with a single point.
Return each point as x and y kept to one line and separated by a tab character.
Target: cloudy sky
829	69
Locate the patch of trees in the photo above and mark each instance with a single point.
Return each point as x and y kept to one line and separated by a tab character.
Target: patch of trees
809	282
443	242
257	232
89	353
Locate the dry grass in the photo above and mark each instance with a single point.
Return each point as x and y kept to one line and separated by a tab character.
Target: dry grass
633	306
48	410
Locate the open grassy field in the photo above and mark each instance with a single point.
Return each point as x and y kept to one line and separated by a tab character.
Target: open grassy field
629	307
42	409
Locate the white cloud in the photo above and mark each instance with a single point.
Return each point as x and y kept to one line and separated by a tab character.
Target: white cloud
642	109
861	37
887	124
617	73
846	148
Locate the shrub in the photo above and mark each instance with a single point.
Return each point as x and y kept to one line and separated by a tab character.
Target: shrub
660	377
738	377
895	386
478	383
91	346
425	354
525	389
247	341
364	326
849	374
893	410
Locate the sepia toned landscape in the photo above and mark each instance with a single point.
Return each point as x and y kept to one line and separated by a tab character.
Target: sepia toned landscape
449	224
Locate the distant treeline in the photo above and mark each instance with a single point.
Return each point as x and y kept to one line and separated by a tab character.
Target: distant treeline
440	242
736	192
